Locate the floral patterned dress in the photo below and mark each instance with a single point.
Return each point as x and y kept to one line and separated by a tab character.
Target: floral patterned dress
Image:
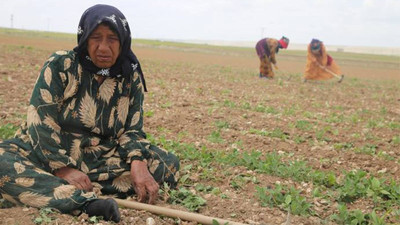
75	121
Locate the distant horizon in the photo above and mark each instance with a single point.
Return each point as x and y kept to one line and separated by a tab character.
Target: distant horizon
378	50
336	22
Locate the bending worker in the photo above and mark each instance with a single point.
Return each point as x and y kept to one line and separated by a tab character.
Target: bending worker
320	65
266	49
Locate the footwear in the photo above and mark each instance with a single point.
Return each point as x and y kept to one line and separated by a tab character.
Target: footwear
107	208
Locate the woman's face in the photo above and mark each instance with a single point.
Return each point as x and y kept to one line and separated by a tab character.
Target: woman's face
316	51
103	46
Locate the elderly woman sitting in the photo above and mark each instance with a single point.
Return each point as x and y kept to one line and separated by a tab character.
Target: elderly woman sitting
84	128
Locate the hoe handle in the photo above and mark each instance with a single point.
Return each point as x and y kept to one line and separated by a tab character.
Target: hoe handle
174	213
327	70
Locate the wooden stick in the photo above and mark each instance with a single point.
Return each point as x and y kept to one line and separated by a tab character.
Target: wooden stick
174	213
329	71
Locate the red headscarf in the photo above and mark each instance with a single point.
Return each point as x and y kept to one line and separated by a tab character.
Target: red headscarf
284	42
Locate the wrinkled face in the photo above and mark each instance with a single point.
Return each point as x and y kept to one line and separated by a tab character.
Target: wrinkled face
103	46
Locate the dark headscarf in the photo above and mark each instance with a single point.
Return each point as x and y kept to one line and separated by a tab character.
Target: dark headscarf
315	44
126	62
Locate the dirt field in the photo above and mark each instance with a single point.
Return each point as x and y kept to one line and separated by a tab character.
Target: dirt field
243	137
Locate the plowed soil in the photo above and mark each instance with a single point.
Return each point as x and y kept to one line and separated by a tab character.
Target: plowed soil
192	91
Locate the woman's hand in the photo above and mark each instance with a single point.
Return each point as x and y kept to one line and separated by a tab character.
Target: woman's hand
143	182
75	177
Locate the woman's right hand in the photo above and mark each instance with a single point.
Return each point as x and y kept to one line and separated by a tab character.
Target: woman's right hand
143	182
75	177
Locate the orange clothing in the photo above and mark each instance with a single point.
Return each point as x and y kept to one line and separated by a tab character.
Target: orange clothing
313	69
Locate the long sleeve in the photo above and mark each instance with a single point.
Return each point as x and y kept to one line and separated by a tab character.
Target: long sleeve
44	130
133	143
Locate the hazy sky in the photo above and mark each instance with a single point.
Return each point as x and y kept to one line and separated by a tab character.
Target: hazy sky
336	22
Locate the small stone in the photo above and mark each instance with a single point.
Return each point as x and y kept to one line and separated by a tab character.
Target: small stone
150	221
207	196
382	170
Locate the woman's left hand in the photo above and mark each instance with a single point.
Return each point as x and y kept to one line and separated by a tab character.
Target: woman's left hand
143	182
